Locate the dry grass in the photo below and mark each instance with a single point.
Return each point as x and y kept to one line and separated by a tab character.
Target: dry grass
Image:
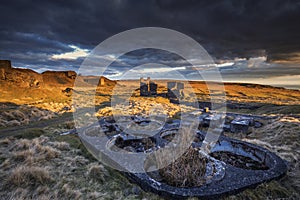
186	171
97	172
22	115
29	176
73	176
181	165
144	106
42	168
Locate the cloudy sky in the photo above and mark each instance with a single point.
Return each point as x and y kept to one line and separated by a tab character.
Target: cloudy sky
250	40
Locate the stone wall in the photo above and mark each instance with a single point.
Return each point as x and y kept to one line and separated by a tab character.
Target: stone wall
147	87
175	90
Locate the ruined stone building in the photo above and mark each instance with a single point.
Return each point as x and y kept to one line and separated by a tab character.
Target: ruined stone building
147	87
175	90
144	86
153	88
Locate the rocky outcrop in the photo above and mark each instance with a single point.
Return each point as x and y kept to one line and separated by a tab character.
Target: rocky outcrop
62	74
55	78
19	77
6	64
2	74
31	79
97	81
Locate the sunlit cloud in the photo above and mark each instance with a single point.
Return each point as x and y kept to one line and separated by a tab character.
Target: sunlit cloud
73	55
226	64
158	69
256	61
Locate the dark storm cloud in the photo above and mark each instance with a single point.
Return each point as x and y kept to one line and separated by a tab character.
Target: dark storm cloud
32	31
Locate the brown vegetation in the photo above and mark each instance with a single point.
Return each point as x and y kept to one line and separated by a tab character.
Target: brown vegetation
23	115
27	176
186	171
43	168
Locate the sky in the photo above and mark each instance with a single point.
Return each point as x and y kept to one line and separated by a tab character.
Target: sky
255	41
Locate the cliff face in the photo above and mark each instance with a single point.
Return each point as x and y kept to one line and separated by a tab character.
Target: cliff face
56	78
19	77
5	64
27	78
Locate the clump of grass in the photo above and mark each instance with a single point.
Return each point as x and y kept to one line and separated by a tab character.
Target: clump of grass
22	144
29	150
70	193
21	156
5	141
49	152
97	172
189	169
186	171
63	146
28	176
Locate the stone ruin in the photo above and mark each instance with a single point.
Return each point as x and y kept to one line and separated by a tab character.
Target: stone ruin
147	87
152	89
175	91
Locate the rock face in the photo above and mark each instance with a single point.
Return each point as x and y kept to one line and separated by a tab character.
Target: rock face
5	64
19	77
53	78
27	78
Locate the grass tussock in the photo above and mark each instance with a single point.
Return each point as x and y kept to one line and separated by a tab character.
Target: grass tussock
28	176
97	172
186	171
